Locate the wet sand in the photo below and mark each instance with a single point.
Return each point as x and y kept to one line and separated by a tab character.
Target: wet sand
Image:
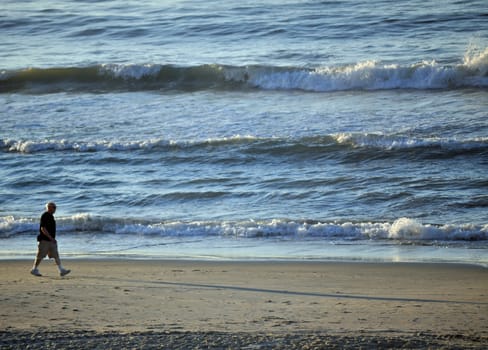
259	305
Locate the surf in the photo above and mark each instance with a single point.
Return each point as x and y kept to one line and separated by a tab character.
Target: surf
401	230
337	145
471	72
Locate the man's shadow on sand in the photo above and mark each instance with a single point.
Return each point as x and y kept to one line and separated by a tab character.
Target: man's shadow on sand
337	295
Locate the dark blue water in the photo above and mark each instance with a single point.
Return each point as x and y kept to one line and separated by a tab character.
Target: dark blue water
302	130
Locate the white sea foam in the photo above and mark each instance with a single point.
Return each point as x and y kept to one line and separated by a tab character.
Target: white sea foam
357	140
403	229
130	71
476	61
11	226
30	146
405	142
471	71
375	75
33	146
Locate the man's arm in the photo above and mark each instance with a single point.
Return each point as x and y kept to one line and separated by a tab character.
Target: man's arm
47	234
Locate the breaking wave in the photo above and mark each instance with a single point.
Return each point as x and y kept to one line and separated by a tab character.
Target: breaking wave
401	230
365	144
472	72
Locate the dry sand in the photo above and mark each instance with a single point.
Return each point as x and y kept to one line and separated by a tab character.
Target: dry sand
254	305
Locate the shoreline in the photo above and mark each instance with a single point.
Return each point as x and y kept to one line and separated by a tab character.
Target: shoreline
354	259
67	261
252	302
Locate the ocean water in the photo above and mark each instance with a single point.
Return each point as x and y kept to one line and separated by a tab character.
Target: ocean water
327	130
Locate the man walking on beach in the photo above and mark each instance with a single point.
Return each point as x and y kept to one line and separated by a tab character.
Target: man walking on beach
47	244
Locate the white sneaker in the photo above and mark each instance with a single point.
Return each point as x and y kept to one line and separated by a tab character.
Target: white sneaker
35	272
64	272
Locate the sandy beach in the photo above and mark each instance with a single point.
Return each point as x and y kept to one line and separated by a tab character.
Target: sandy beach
259	305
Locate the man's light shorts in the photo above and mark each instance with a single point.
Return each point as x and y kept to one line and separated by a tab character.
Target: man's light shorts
47	248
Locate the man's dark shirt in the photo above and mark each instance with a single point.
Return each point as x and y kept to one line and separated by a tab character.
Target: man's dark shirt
48	222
